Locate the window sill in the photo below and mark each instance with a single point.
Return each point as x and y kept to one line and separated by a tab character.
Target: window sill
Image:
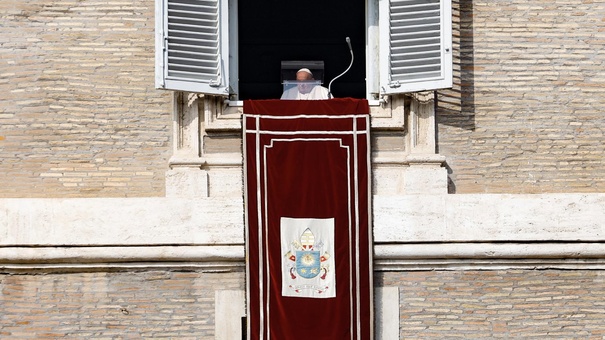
227	117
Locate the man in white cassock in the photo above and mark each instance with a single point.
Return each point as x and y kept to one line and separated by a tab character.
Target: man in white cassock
309	91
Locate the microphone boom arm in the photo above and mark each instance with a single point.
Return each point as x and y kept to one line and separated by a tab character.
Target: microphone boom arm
348	68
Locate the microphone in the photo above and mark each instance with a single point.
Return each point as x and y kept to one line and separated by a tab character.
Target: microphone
347	70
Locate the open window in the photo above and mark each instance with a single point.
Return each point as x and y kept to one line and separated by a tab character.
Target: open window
235	49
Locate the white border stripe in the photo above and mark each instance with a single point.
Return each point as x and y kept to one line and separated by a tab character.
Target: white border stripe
246	223
259	226
304	116
355	307
351	251
266	234
350	225
369	220
356	184
288	133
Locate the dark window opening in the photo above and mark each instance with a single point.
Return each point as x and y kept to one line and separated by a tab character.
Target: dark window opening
272	31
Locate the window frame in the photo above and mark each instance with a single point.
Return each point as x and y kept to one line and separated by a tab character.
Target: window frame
378	72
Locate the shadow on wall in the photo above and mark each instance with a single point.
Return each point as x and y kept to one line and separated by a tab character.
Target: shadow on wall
455	107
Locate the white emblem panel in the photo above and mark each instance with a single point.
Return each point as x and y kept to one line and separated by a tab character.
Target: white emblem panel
308	265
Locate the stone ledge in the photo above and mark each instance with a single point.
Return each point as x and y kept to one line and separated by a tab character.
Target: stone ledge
390	257
406	219
410	231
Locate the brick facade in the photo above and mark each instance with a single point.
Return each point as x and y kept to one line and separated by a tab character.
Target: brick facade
501	304
80	116
434	304
526	113
117	305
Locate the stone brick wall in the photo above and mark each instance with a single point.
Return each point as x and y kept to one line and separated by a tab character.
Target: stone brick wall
433	304
79	115
116	305
500	304
526	114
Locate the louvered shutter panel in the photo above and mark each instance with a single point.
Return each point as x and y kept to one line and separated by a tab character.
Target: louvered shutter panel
193	46
416	45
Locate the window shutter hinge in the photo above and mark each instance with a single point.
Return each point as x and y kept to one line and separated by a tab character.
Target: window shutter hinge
394	84
163	62
384	100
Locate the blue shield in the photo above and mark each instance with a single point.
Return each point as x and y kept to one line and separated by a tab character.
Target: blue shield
308	263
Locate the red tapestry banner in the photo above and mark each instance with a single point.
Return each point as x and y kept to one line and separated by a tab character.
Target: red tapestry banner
308	222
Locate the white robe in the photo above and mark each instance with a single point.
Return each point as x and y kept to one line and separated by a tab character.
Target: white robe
317	93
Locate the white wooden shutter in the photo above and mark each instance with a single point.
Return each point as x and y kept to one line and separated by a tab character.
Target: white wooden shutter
192	43
415	45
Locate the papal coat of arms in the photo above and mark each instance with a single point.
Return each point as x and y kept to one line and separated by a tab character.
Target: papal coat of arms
308	263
